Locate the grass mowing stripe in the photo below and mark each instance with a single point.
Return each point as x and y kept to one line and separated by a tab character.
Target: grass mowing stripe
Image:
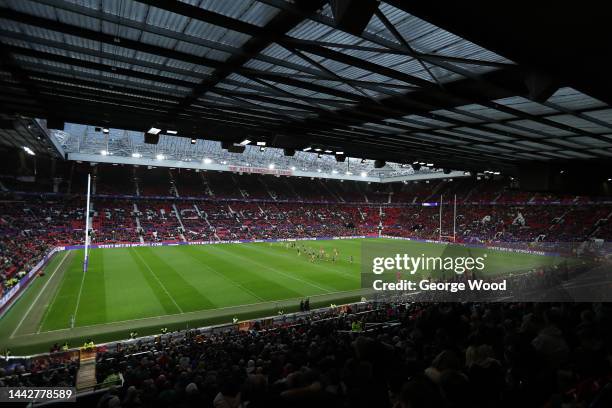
76	308
63	307
141	261
126	279
50	304
277	271
191	298
39	294
303	269
93	308
327	266
224	277
258	282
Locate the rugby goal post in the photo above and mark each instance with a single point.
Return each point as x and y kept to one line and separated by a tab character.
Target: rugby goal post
440	215
86	258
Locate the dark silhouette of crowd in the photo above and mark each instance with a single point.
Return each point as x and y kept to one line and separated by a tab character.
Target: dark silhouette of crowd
404	355
56	369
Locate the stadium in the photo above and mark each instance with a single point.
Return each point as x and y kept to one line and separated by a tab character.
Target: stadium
275	203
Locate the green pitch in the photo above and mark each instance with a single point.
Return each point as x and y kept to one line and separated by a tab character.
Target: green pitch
146	288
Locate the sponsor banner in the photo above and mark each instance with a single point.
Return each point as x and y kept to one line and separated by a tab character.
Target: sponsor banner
259	170
241	241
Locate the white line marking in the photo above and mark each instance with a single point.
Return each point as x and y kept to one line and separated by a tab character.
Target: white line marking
73	319
48	309
159	281
39	294
271	302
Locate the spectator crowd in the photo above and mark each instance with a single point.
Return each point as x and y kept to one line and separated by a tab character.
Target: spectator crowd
401	355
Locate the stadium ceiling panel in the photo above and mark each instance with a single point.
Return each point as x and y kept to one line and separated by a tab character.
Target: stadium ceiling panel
411	83
28	135
86	143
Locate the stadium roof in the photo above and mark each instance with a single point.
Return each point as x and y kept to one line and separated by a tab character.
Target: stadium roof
401	81
86	143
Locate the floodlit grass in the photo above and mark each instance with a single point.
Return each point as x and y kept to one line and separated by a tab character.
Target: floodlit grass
129	284
133	283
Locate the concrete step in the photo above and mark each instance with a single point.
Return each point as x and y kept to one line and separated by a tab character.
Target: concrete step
86	376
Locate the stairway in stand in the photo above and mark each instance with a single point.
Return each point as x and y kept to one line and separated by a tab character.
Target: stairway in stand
86	377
